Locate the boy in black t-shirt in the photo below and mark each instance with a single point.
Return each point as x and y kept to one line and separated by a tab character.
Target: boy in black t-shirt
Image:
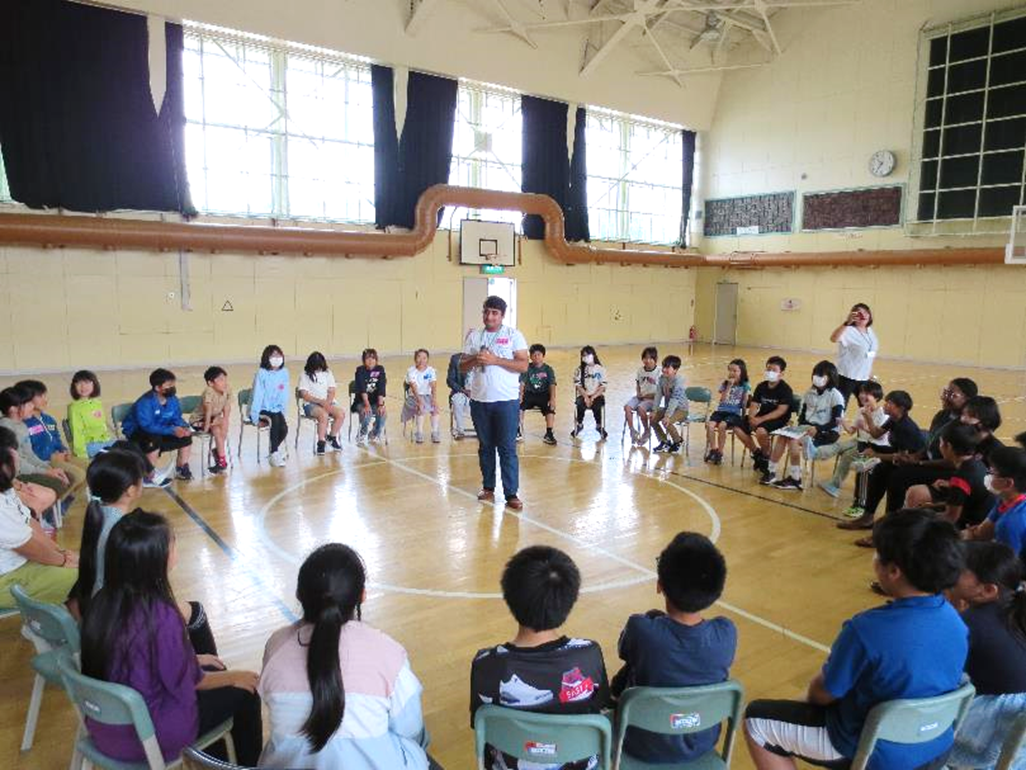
540	670
963	498
768	410
538	391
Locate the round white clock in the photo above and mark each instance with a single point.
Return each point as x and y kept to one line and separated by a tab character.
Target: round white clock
881	163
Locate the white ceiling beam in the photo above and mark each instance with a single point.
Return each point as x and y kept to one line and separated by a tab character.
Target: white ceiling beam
699	70
662	54
642	8
421	10
760	6
517	28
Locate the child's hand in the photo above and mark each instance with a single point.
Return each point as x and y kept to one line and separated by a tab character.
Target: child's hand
941	484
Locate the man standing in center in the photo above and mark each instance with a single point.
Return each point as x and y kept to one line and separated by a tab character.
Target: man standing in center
498	354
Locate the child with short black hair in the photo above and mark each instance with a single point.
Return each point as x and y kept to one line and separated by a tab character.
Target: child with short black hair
1006	521
678	647
646	386
45	436
671	405
982	413
369	398
865	446
914	646
86	417
538	391
212	414
769	409
820	417
15	407
730	411
156	425
540	670
963	498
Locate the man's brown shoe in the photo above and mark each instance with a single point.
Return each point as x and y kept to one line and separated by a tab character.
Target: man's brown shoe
486	495
862	522
515	503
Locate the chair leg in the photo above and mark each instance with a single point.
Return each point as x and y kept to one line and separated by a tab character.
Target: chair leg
32	717
229	745
242	427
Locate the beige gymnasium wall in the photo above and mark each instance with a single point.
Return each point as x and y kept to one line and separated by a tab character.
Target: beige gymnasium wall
63	308
844	88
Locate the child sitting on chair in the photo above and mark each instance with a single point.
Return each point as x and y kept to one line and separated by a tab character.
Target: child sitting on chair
538	391
46	436
871	439
213	413
769	409
540	669
728	415
423	396
646	384
678	647
317	389
590	381
369	398
86	418
671	405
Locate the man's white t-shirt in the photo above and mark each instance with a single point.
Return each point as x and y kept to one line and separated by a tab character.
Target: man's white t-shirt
493	383
318	385
420	381
14	531
856	350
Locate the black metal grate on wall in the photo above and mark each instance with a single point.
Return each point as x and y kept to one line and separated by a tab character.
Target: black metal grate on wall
770	213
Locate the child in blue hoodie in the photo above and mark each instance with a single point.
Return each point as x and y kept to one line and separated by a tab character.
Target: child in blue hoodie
155	424
46	436
271	392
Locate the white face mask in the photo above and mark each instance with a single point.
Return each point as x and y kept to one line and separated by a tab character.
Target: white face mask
771	376
820	381
988	482
588	359
276	361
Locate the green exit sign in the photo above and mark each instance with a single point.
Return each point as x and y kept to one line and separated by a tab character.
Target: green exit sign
493	269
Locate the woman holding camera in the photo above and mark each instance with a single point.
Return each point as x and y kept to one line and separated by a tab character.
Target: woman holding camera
857	346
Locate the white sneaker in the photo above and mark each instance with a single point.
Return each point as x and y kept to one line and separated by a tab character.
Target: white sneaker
519	694
436	438
277	459
361	439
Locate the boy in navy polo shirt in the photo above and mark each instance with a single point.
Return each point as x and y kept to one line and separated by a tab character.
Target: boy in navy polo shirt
1006	522
912	647
678	648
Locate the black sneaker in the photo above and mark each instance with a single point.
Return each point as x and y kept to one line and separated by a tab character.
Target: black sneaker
549	438
183	473
334	444
577	429
767	478
788	485
717	457
663	446
604	434
673	448
215	469
320	448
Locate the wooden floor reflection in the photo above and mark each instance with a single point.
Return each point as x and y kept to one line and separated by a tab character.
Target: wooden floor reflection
434	554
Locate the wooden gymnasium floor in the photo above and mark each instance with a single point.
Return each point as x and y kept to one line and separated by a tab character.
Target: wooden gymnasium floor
434	555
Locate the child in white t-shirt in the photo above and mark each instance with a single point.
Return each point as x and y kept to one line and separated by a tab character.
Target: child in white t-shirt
317	390
590	384
869	420
422	396
646	384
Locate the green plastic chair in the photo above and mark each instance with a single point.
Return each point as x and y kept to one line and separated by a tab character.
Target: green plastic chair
544	738
194	759
116	704
189	404
50	628
679	711
1013	743
245	398
909	721
696	395
118	413
66	428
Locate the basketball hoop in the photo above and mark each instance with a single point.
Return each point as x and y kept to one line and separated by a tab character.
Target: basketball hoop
1015	251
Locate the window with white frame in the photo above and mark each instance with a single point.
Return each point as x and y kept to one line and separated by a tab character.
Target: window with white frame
486	146
634	178
277	130
973	109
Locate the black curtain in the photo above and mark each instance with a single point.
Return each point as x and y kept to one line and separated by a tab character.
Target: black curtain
386	146
545	164
425	149
688	146
577	200
78	127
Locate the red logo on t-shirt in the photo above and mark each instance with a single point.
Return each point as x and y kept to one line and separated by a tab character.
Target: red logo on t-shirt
575	687
281	386
502	341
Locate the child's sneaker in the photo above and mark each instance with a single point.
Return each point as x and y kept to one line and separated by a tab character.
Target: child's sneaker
854	511
334	444
603	433
577	430
717	457
216	469
549	438
520	434
662	446
767	478
361	439
435	438
458	435
788	485
319	450
673	448
183	473
419	438
829	488
708	455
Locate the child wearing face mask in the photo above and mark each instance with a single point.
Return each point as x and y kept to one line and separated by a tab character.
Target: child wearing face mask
730	411
1006	521
819	418
590	381
156	425
769	409
271	392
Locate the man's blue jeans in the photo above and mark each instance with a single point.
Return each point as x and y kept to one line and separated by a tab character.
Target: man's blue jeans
496	425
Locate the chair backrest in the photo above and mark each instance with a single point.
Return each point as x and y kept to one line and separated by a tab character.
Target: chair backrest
111	704
1013	742
51	626
916	720
796	407
66	427
698	394
194	759
245	398
118	413
681	710
189	404
543	738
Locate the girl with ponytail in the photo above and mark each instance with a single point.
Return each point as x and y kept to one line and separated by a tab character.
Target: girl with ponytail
991	591
339	693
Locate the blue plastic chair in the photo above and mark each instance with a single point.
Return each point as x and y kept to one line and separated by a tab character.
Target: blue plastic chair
116	704
911	721
50	628
544	738
679	711
696	395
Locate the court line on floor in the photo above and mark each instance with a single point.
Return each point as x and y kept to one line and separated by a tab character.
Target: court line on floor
777	628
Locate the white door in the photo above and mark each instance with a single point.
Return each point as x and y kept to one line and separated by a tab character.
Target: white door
476	289
725	324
